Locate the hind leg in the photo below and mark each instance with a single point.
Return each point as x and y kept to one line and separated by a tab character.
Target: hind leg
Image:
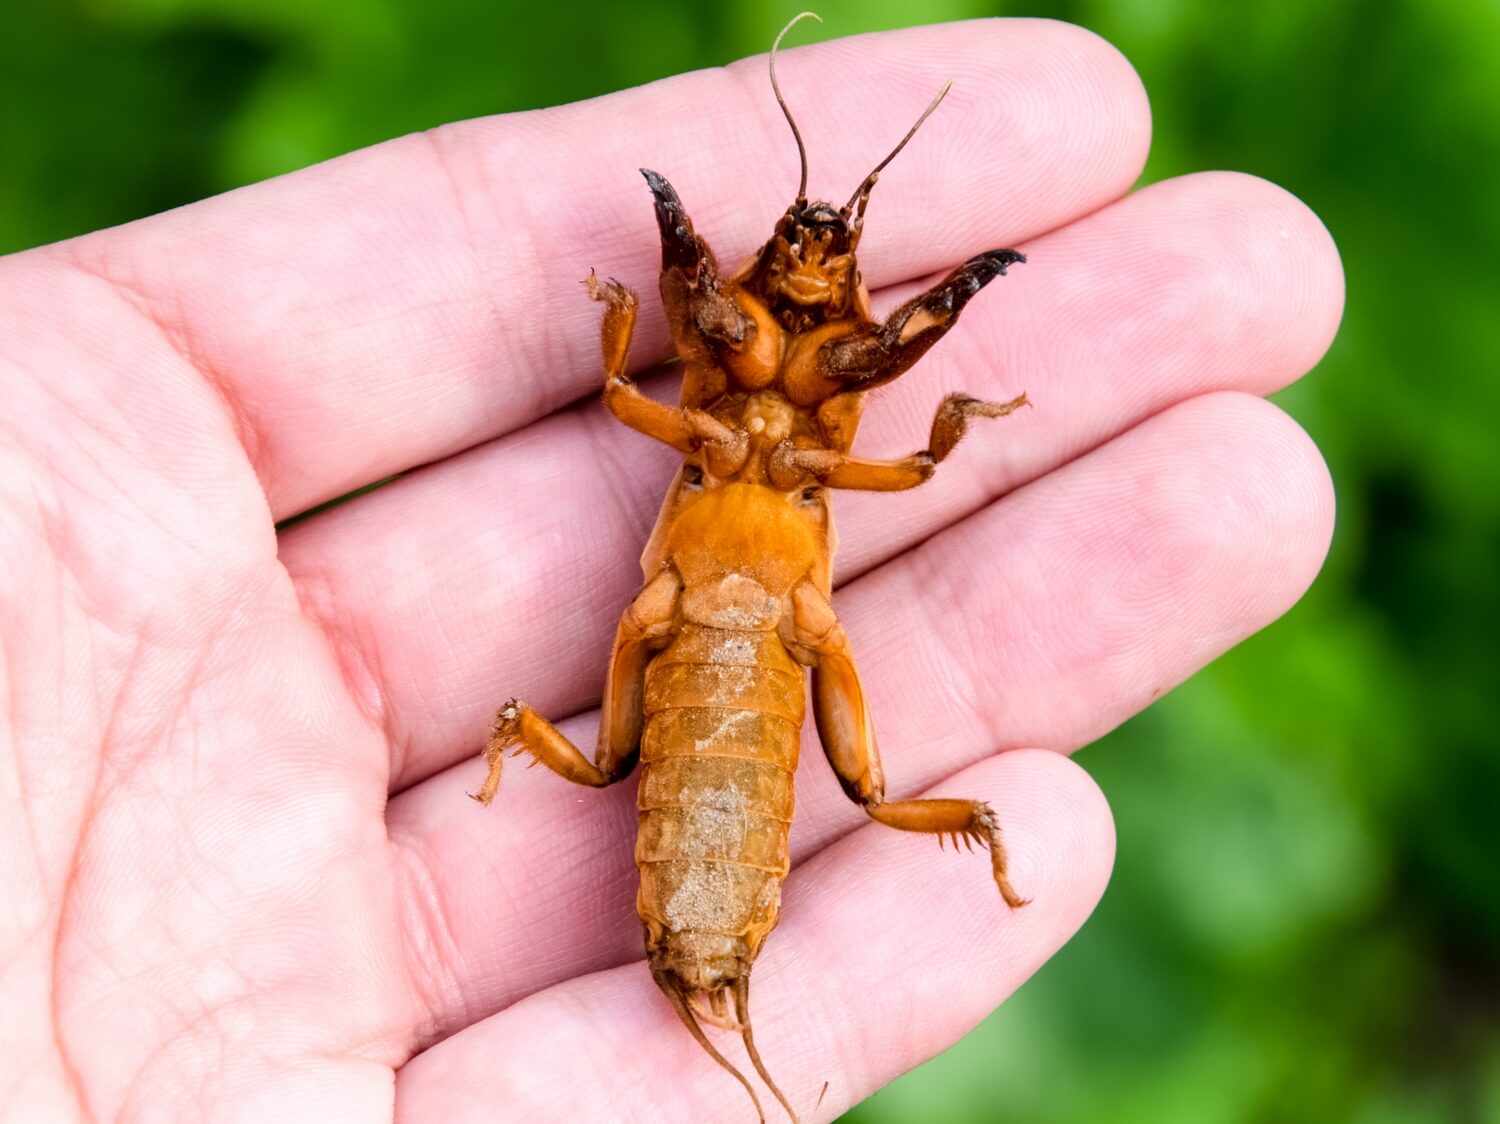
520	729
848	738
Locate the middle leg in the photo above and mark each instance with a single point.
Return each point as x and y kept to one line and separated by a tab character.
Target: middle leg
789	465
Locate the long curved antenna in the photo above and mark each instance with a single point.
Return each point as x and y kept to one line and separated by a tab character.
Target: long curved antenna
801	148
862	193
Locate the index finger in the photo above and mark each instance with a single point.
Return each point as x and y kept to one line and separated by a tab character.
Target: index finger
405	302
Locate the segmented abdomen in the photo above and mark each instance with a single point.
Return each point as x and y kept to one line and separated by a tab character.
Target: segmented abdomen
723	712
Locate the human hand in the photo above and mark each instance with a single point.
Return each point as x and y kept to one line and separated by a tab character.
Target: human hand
212	908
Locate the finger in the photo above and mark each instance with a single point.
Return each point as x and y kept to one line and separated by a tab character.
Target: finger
1044	620
1185	287
874	922
407	301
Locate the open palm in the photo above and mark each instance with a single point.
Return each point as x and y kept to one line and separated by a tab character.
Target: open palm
238	877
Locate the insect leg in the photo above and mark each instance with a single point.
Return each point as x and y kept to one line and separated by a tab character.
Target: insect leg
789	464
848	738
518	728
621	394
883	352
698	309
681	248
683	429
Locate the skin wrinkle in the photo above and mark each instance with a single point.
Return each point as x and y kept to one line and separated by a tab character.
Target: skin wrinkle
623	1055
437	145
359	663
179	341
427	934
70	1069
535	356
59	530
532	263
98	486
188	1024
620	464
964	677
13	744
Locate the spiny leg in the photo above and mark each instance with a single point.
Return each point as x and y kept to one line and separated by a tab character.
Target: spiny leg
884	352
520	729
788	465
962	819
621	395
848	737
618	325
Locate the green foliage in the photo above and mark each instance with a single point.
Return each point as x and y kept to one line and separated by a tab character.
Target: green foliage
1304	916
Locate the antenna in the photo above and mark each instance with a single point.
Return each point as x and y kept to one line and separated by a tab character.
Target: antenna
801	149
862	194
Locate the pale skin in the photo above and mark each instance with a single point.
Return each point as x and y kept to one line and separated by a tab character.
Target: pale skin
238	878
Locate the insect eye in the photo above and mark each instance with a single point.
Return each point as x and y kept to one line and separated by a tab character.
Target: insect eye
692	476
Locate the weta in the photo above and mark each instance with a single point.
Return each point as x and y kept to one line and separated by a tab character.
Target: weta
705	685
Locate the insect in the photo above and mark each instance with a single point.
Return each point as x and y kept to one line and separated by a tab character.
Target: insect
705	685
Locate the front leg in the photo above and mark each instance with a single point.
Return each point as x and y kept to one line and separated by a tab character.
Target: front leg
648	621
848	738
883	352
699	311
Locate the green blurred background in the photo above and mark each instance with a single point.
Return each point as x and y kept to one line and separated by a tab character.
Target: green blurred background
1304	919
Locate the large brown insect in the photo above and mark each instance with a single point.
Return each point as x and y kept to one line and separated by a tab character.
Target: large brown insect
705	683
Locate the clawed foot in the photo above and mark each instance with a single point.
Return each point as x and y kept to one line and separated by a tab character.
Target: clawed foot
505	733
952	420
984	829
993	263
611	292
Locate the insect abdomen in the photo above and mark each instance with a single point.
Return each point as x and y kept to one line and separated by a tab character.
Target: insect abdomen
723	718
